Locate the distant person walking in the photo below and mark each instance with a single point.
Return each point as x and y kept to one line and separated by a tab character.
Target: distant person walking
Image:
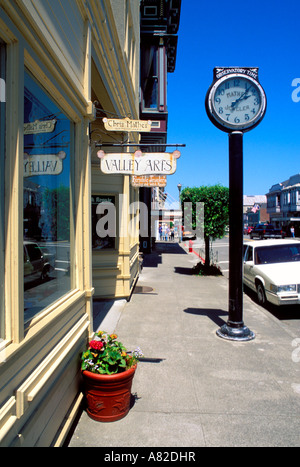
292	231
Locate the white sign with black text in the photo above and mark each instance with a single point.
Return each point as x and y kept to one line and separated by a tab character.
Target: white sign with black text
149	163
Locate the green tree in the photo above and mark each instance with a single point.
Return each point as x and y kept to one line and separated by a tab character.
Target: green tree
215	203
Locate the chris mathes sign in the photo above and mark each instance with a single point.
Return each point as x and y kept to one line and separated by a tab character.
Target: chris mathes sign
139	163
127	125
39	126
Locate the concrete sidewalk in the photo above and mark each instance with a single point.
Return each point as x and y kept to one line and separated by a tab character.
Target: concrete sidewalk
199	390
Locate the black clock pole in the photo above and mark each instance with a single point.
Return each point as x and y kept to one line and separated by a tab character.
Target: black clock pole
235	329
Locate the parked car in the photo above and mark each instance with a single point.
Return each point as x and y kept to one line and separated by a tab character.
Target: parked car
188	235
248	229
266	231
272	269
36	266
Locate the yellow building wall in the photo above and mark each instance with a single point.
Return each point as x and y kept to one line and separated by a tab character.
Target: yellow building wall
66	46
39	371
115	89
116	270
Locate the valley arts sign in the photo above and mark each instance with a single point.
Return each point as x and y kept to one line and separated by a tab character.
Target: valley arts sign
139	163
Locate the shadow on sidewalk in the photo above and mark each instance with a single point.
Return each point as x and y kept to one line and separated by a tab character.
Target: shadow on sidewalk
101	307
283	312
153	259
211	313
170	247
181	270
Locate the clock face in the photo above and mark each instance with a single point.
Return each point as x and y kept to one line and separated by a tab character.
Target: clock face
236	102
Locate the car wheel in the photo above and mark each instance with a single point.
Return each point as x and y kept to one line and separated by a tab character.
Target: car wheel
261	296
45	274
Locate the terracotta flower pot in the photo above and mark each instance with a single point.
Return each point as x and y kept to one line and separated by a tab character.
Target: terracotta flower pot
108	396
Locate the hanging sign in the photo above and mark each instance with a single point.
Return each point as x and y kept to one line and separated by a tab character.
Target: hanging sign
43	164
147	163
149	181
125	124
39	126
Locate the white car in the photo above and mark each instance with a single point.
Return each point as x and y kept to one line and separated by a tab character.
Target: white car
272	269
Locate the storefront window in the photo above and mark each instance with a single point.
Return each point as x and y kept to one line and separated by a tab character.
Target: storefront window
103	222
2	157
48	136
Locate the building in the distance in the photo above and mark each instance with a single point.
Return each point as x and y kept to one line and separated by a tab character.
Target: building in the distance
255	209
283	204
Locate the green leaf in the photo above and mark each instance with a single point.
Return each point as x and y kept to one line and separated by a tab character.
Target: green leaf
216	208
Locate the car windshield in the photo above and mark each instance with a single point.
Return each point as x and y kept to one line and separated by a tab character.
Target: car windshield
277	254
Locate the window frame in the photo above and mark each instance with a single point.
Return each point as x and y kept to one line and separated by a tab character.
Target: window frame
150	52
3	54
18	57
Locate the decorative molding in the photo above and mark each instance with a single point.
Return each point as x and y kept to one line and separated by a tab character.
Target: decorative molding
7	417
33	385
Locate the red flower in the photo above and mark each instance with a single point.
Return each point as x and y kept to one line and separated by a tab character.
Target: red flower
96	345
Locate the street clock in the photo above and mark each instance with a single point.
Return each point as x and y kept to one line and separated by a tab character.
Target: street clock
235	101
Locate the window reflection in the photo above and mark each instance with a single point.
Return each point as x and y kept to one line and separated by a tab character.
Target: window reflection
47	146
150	78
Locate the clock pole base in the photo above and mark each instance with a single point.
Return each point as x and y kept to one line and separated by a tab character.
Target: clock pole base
235	334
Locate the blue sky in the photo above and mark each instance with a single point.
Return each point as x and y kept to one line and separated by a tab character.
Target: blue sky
264	34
